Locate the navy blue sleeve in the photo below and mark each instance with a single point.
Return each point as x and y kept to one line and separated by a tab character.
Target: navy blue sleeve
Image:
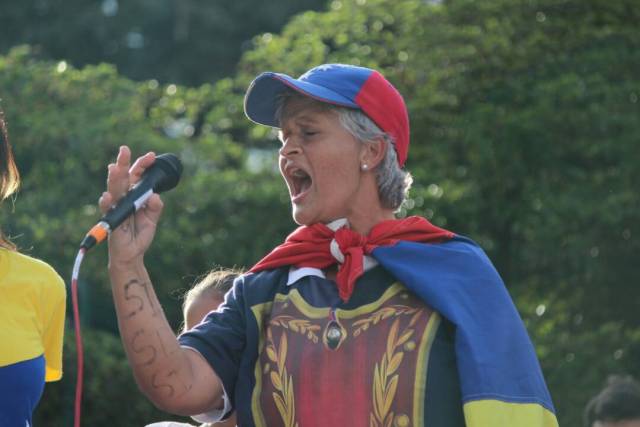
443	399
221	337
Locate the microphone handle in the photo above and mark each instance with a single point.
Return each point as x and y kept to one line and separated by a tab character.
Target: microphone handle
163	175
131	202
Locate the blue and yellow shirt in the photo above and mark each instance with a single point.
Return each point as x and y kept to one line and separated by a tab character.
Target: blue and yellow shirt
32	313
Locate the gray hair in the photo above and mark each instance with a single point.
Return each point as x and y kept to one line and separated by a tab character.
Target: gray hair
393	182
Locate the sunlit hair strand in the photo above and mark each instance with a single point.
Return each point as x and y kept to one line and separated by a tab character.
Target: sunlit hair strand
9	175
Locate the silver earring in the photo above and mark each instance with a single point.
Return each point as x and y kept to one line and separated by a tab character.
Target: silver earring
365	167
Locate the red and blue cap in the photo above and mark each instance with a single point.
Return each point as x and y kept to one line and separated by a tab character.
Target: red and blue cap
339	84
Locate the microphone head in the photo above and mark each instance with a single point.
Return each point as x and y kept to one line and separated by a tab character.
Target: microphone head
172	170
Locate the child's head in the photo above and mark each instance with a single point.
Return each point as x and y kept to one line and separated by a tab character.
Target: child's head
206	295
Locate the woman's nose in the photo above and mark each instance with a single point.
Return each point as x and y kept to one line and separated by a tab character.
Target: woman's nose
289	146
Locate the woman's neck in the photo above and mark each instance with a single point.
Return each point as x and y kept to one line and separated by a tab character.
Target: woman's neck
367	209
364	222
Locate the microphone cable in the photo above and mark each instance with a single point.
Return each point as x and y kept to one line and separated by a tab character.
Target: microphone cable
79	350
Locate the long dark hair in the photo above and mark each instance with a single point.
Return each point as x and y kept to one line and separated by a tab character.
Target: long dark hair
9	175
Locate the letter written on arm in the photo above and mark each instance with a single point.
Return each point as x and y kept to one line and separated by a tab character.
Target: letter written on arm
137	299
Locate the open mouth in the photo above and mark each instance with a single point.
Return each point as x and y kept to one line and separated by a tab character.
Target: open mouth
300	182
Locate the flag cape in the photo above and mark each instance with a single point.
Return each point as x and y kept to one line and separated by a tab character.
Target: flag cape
501	380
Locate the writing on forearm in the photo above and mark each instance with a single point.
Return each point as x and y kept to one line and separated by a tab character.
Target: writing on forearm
139	344
142	349
150	353
162	368
136	298
163	347
169	382
157	383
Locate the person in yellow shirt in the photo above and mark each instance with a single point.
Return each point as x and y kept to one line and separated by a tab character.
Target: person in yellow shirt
32	312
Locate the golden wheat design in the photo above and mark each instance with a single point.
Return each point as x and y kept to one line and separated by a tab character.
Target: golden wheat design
281	381
379	315
385	379
300	326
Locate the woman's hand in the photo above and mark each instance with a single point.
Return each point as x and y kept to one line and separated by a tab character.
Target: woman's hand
129	241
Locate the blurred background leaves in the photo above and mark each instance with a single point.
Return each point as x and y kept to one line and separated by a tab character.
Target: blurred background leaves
525	137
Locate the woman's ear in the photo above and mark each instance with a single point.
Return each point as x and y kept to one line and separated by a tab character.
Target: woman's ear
373	153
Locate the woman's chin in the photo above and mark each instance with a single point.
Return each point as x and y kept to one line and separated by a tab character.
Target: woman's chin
302	216
301	220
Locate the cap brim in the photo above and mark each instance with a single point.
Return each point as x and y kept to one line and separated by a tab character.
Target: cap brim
260	99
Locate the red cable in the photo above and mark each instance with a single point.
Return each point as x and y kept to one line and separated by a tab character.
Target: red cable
79	351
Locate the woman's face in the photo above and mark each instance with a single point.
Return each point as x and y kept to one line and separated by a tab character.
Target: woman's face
320	163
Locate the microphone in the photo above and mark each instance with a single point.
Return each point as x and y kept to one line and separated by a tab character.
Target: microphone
163	175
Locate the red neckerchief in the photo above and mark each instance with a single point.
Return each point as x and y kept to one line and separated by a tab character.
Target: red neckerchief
310	246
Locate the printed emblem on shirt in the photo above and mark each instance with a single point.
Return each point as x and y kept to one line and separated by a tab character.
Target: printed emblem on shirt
366	366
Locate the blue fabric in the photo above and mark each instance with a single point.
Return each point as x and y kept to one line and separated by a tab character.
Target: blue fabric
21	387
496	359
340	86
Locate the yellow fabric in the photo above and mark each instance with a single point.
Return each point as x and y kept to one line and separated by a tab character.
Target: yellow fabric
32	312
495	413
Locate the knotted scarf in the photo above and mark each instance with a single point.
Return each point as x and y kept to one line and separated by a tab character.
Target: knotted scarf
319	246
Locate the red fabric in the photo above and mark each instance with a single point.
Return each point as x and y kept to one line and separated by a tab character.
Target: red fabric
309	246
385	106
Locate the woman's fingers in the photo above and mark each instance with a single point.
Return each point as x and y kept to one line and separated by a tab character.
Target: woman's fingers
140	166
124	156
105	202
122	176
153	208
118	174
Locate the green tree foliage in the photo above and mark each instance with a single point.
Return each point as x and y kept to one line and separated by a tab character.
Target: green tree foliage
180	41
524	137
